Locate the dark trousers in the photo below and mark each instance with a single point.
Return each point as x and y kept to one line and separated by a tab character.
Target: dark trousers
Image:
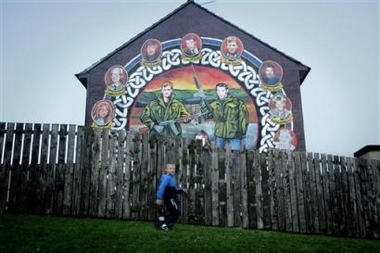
174	212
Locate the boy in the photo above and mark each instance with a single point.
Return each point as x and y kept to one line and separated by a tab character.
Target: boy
166	194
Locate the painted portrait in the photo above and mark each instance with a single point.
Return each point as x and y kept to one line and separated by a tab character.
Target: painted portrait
270	73
151	50
232	48
102	113
280	108
116	78
285	138
191	45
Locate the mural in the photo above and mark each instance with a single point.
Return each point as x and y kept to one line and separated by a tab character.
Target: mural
115	79
191	46
231	49
285	139
280	109
200	88
151	52
102	114
271	75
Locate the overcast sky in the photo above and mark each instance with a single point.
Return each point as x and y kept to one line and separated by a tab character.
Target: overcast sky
44	43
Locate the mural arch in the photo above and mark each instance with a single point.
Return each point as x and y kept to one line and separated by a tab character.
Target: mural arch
194	80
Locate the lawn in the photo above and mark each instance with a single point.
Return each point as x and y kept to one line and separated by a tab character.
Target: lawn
31	233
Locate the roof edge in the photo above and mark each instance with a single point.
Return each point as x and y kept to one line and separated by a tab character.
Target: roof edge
81	76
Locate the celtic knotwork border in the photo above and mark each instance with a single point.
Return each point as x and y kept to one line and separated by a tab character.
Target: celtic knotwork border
246	73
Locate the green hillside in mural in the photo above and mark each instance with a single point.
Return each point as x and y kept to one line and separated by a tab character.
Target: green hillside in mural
190	96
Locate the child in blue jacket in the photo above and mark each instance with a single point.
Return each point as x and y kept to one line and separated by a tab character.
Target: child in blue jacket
166	195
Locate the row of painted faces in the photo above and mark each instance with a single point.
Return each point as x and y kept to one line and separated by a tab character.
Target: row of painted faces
231	49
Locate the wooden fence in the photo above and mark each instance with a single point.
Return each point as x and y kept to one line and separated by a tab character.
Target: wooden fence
75	171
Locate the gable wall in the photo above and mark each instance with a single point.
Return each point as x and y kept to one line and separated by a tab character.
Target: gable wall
193	19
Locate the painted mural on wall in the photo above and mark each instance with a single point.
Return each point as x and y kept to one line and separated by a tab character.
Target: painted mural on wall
203	88
102	114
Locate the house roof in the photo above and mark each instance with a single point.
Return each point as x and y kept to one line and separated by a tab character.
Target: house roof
366	149
83	76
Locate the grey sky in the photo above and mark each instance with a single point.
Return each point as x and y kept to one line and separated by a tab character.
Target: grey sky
44	43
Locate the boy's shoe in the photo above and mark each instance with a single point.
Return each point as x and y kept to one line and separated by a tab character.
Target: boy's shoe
164	227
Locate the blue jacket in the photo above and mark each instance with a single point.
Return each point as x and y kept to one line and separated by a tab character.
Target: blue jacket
168	187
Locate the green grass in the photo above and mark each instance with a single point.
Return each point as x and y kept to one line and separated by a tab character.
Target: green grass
29	233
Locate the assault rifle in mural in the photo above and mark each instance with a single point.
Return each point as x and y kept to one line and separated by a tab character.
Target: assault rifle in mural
200	93
171	123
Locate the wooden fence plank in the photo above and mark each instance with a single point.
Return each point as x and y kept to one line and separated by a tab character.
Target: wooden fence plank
339	196
8	144
136	177
359	198
78	168
146	181
314	221
334	192
365	193
34	194
4	168
376	185
214	185
27	144
206	163
59	186
373	229
120	166
61	171
280	202
286	190
258	179
35	152
326	193
13	189
150	164
306	190
197	175
53	147
266	204
320	204
15	184
90	166
2	137
346	229
4	176
17	147
99	182
332	196
272	186
244	192
66	166
53	159
300	192
229	188
46	176
293	193
111	175
223	180
127	180
252	166
352	206
236	171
